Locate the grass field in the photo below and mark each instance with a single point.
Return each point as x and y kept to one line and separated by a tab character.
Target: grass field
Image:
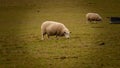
90	46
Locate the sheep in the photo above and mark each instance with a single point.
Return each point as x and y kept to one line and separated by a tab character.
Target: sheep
52	28
93	17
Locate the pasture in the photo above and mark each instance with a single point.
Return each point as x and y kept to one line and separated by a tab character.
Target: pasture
90	46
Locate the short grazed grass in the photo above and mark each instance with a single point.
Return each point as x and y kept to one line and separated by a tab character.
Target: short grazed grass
90	46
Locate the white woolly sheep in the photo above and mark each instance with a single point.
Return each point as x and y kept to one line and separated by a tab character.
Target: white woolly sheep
52	28
93	17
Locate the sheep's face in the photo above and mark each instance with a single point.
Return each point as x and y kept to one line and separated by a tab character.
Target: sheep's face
99	19
67	34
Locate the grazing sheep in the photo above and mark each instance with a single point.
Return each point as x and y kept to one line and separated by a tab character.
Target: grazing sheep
51	28
93	17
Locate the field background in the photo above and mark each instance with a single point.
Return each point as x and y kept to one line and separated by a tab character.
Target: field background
90	45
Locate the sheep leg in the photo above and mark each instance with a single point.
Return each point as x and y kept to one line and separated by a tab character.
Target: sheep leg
42	37
48	36
95	22
43	34
57	37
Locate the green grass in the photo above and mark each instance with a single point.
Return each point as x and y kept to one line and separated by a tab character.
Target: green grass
90	45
